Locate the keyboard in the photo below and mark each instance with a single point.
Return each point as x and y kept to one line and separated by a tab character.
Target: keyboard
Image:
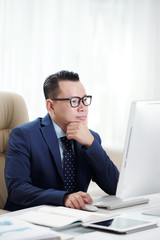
112	202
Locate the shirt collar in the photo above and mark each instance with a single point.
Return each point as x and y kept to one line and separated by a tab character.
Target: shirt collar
58	130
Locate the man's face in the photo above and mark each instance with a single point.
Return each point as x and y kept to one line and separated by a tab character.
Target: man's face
63	113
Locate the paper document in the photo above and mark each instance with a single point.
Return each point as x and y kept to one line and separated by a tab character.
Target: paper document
15	229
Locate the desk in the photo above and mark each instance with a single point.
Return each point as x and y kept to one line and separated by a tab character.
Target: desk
81	233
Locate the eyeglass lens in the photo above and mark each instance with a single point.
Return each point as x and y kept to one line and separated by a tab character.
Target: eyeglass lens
75	101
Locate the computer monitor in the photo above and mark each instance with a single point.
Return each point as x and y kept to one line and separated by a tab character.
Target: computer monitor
140	169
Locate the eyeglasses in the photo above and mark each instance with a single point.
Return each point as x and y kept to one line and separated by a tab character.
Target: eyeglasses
75	101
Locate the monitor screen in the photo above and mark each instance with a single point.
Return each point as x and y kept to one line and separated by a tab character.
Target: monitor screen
140	169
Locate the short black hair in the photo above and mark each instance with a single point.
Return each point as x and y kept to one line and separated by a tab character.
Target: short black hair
51	84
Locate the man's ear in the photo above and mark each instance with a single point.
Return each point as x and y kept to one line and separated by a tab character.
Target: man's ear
49	105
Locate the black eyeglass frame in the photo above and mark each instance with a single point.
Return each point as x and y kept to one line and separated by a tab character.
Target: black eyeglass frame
70	99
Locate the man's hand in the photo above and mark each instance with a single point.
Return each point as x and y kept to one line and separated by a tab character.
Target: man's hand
77	200
79	132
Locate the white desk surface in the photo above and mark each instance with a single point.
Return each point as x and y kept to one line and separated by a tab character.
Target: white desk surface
81	233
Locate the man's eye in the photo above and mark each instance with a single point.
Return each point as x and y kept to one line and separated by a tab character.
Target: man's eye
74	100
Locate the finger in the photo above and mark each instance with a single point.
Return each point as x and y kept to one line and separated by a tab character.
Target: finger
87	198
70	204
72	134
67	202
70	201
74	125
71	125
78	201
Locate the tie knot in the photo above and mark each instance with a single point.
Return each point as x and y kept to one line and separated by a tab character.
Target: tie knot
66	142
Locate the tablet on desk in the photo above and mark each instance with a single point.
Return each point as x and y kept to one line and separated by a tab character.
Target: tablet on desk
121	225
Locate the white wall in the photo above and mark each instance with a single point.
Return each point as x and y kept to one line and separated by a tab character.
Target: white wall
114	45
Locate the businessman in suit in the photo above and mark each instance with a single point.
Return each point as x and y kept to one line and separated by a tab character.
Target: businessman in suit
35	161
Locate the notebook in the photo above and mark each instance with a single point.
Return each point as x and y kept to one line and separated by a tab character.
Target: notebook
59	217
140	167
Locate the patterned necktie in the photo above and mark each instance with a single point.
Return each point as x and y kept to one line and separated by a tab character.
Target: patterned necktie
68	165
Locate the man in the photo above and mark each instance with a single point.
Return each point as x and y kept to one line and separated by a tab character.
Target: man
35	170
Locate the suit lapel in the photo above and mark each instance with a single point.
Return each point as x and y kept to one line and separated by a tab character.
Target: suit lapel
50	137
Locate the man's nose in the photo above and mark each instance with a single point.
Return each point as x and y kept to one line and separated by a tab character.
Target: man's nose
81	106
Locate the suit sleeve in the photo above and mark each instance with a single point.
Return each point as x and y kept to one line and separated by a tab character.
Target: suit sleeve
105	173
21	191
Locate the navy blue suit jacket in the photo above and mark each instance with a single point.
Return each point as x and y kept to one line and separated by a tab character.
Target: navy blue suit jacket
33	170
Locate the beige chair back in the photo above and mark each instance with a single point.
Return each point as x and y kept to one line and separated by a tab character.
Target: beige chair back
13	112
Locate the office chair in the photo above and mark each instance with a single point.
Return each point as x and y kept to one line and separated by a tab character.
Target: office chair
13	112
